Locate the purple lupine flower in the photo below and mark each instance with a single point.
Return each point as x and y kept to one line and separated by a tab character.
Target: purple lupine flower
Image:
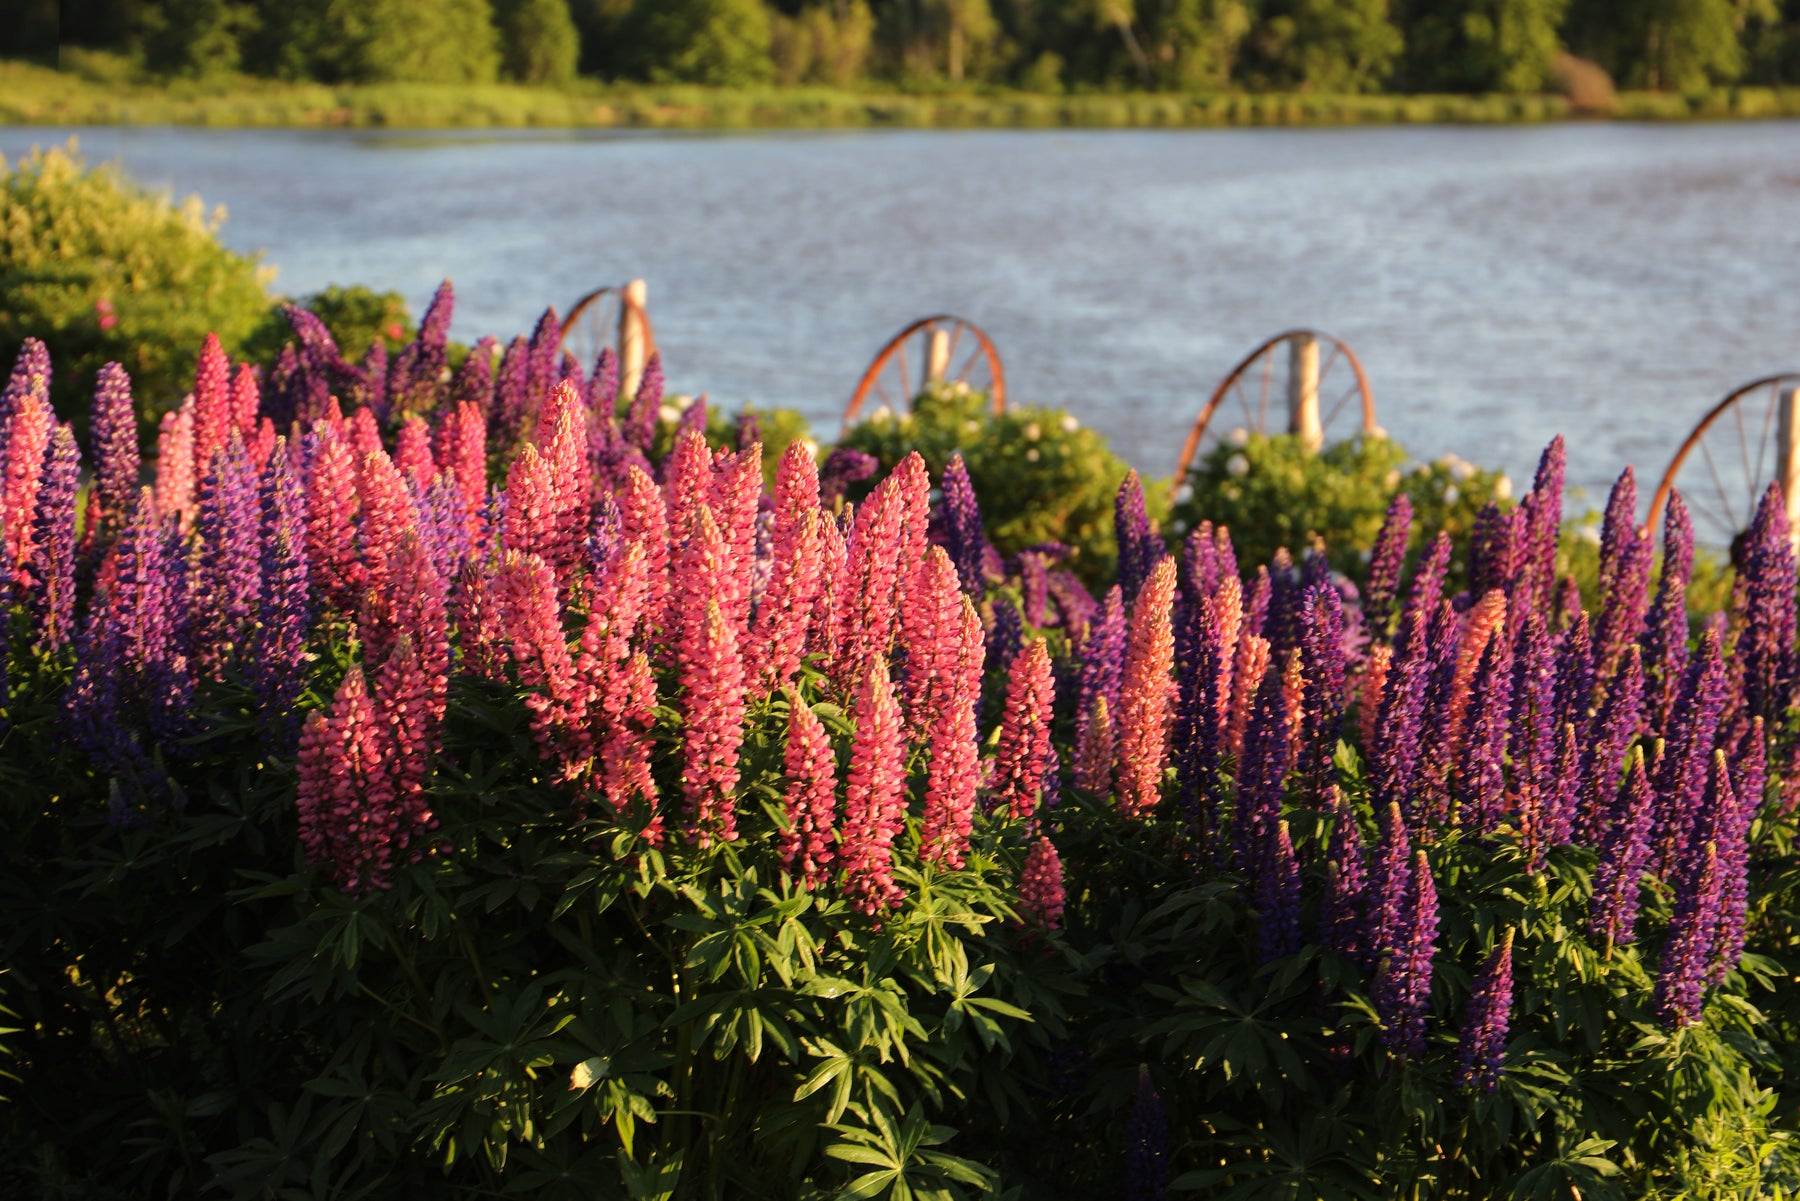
1532	738
1140	546
1561	798
1256	603
568	369
1224	554
1614	729
1199	563
1103	655
1005	638
693	419
512	394
1681	769
1261	777
30	377
283	604
1542	507
1732	809
371	387
606	533
1075	605
474	380
1403	981
1385	561
113	434
1282	625
1763	612
1437	758
749	429
227	571
1665	639
1687	955
1482	1048
1278	899
1196	734
1146	1144
603	387
1341	918
1394	758
545	354
1565	606
844	466
415	378
1386	890
1481	774
1624	847
1034	587
51	597
964	537
1426	590
1574	673
443	524
1322	666
646	405
1495	550
1624	579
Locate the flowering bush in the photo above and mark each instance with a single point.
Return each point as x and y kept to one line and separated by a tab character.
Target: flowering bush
454	794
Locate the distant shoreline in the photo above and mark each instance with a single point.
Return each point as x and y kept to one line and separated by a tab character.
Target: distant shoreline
36	95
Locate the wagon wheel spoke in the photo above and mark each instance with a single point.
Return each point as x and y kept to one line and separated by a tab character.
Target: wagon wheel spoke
1762	449
1337	406
956	333
1719	488
964	372
1262	408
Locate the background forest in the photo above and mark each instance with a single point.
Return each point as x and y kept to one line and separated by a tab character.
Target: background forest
1323	46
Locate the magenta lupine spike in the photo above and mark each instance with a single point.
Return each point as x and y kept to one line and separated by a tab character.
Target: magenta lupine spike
821	633
512	393
390	516
702	575
113	435
687	480
735	497
246	408
1394	756
811	798
1731	813
1425	593
525	595
1041	895
1681	770
30	377
1482	1048
1385	562
1256	604
1624	850
530	526
1494	549
712	683
1261	778
603	385
1342	921
1145	694
228	571
844	466
1574	673
867	607
874	796
23	443
473	382
1481	771
643	518
51	594
1199	563
911	483
1625	555
1763	613
1541	519
1387	887
408	705
331	506
1140	546
778	633
1614	729
1687	955
413	602
693	418
461	448
955	772
930	633
1403	982
1665	640
414	379
1025	753
562	434
640	420
1532	738
621	686
349	826
1102	670
1146	1144
964	536
1278	898
212	402
284	609
412	453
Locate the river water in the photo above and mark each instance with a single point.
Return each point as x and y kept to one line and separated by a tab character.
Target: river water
1500	284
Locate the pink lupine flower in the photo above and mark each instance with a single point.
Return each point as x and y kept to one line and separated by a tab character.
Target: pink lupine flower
213	415
364	433
930	630
410	603
621	686
643	518
778	635
530	526
261	443
734	498
1246	677
525	589
1024	753
345	797
867	606
389	514
1145	711
874	796
687	481
409	707
1228	618
712	682
1374	688
796	489
563	433
834	563
481	629
412	453
176	481
1486	620
1041	895
811	767
246	407
331	504
1293	699
955	774
912	484
24	441
702	573
1094	751
461	445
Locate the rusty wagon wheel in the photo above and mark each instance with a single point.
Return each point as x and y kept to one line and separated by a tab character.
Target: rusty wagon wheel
942	348
1725	464
601	319
1261	392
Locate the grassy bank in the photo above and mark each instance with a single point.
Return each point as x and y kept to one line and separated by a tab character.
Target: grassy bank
35	95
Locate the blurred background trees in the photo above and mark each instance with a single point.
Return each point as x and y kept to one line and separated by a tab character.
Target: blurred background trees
1324	46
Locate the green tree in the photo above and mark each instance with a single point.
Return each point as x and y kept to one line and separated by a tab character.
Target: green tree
725	43
380	41
539	42
1193	45
32	32
1666	45
194	38
1481	45
1331	46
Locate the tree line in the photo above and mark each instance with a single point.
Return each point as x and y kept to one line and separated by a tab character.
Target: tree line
1325	46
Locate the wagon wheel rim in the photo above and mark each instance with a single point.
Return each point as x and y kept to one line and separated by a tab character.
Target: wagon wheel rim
1730	456
593	325
1250	387
969	357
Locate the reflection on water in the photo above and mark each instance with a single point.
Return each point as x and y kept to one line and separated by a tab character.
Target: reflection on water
1501	284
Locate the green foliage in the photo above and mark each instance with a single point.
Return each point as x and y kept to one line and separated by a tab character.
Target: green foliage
1483	45
381	41
101	270
725	43
539	43
1039	475
1323	45
1270	491
195	38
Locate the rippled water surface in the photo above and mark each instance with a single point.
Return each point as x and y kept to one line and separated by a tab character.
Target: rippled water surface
1500	284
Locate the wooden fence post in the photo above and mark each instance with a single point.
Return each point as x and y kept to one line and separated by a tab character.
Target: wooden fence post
1303	392
937	357
1787	456
633	345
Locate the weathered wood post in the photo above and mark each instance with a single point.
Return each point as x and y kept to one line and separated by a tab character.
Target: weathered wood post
1303	392
937	356
634	344
1787	456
